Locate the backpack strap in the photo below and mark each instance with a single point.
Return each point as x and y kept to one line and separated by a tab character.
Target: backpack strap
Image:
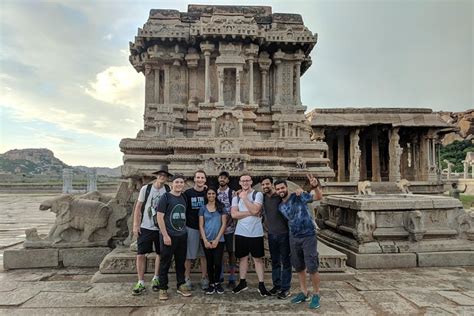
230	196
167	188
147	194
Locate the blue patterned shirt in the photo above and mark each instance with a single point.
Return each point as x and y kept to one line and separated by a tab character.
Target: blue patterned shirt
295	209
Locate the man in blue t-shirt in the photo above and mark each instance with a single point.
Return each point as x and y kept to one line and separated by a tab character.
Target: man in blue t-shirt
303	243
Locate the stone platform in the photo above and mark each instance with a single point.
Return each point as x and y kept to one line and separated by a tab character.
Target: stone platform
119	265
398	230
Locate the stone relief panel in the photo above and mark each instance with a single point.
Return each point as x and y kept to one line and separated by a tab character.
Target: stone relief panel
227	164
227	126
287	83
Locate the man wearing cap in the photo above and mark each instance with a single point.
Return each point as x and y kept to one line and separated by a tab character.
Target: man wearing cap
144	228
171	218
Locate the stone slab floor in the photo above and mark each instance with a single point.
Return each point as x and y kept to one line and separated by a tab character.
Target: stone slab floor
415	291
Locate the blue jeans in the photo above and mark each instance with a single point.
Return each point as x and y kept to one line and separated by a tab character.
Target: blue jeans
279	246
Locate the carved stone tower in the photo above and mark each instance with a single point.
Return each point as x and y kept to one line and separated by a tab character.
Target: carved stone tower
223	93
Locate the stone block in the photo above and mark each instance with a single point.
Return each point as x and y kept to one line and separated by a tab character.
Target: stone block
30	258
83	257
446	259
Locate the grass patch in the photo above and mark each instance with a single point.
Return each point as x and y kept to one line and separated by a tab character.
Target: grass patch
467	200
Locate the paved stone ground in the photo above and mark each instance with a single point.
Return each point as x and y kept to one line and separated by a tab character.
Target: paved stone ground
416	291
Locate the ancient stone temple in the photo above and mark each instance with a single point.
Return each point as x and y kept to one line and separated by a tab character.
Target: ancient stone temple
223	93
383	145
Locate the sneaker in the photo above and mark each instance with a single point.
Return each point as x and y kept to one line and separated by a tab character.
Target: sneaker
204	283
231	285
300	298
138	289
314	304
241	287
184	290
155	285
219	289
163	296
284	294
210	290
274	290
189	284
263	290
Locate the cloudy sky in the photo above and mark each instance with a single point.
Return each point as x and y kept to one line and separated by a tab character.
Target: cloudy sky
66	83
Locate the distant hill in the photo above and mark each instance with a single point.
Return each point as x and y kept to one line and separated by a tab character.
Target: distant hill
41	161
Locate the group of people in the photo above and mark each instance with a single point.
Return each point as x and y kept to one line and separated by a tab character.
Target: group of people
204	221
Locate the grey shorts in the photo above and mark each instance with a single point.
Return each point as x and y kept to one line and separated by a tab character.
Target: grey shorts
194	244
304	254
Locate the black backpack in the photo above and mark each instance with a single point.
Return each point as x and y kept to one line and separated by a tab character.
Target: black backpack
147	194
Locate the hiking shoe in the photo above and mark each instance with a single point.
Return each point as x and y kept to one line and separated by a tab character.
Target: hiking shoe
155	285
219	289
231	285
300	298
184	290
274	290
138	289
241	287
284	294
163	296
210	290
263	290
204	283
314	304
189	284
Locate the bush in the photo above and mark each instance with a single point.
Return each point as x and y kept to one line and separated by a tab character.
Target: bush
455	153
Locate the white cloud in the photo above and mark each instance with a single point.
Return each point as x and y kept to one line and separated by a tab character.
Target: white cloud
117	85
108	37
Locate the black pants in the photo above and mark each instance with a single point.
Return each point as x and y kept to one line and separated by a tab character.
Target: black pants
177	249
214	262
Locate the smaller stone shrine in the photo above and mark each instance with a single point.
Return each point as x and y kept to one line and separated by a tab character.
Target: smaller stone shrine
398	230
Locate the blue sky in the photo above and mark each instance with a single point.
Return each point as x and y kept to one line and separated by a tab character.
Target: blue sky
66	83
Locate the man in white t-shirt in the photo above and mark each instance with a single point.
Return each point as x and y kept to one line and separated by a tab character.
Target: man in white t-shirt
246	208
144	228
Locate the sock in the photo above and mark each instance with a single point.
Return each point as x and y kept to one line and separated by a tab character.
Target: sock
156	277
142	282
243	281
261	284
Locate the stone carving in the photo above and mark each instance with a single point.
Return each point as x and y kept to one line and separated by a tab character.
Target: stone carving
83	221
414	224
300	163
466	224
365	226
404	185
226	127
364	188
227	164
227	146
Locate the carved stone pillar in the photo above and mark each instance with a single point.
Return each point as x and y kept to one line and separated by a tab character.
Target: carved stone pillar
264	63
220	85
237	87
341	162
297	83
157	85
241	127
207	48
251	100
354	157
375	157
213	127
395	154
166	68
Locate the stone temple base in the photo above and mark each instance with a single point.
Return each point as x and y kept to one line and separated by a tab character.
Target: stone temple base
120	265
54	257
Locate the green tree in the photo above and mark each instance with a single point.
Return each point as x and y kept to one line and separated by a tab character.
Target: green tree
455	153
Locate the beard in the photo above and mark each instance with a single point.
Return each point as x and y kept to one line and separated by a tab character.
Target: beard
284	194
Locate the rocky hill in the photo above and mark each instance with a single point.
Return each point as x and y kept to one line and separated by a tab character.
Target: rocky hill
41	161
464	121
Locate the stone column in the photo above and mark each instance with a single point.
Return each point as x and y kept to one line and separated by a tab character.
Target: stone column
237	87
207	48
220	86
166	93
157	85
241	127
297	83
354	169
213	127
375	157
92	181
67	180
395	153
449	168
264	62
341	162
472	170
466	168
251	101
363	160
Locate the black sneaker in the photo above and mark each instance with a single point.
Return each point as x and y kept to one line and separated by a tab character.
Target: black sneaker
219	289
274	290
263	291
210	290
284	294
241	287
231	285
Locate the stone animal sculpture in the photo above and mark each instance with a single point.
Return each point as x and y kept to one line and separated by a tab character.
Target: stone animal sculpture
83	215
404	185
364	188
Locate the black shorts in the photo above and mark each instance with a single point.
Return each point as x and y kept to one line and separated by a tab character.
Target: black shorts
229	242
246	245
146	240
